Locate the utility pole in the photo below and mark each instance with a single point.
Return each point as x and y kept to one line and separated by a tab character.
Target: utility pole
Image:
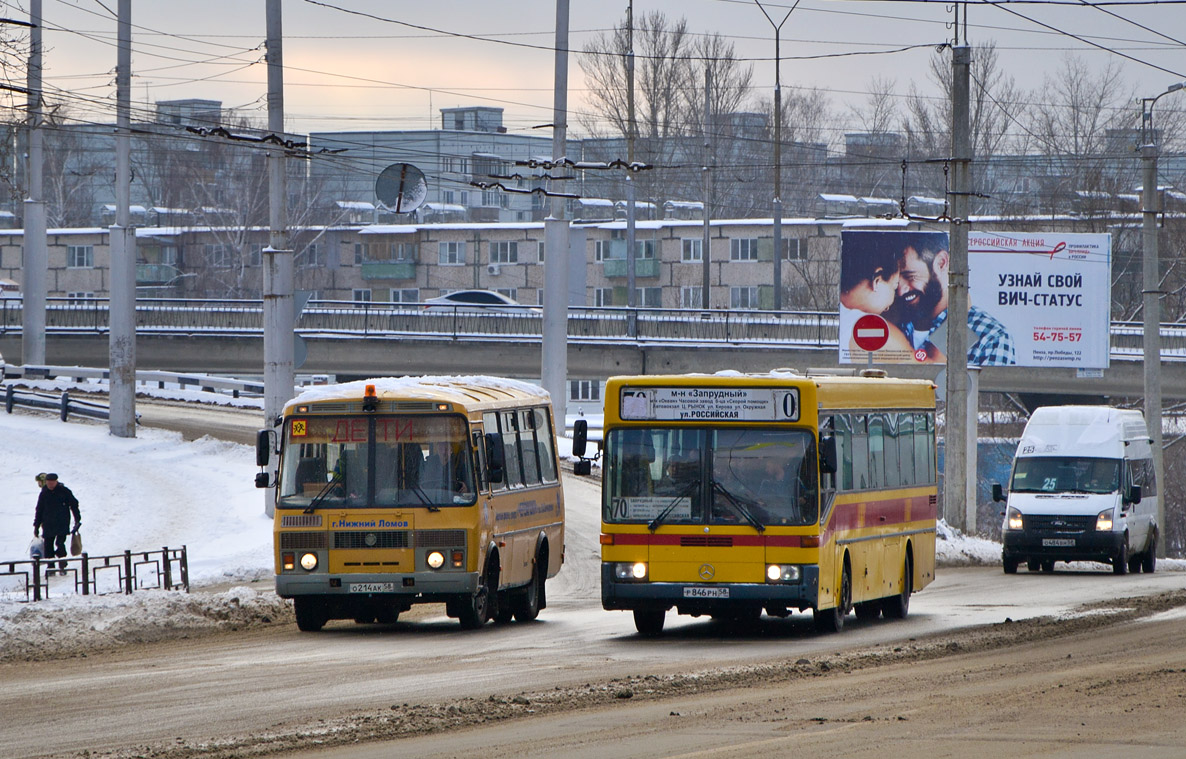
1151	292
279	303
35	265
777	151
631	256
554	356
958	473
706	279
121	421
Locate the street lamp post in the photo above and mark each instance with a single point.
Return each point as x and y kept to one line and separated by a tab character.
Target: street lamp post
1151	291
777	151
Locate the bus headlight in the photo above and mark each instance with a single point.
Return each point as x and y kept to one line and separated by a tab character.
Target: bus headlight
1103	521
630	571
308	561
1013	520
435	559
783	573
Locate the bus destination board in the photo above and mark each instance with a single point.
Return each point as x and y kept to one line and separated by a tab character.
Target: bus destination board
711	404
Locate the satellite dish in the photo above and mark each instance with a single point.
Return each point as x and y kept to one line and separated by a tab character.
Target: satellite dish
401	187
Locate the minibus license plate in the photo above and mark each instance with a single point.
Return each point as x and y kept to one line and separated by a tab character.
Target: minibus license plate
1059	542
372	587
706	592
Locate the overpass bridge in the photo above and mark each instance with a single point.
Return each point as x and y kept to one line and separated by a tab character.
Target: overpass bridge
353	340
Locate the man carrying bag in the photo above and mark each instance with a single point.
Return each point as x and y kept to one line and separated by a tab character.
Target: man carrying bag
54	507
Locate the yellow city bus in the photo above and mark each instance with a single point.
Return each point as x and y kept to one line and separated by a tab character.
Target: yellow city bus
393	492
730	494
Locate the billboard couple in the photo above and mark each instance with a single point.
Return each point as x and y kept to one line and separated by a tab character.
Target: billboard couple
903	277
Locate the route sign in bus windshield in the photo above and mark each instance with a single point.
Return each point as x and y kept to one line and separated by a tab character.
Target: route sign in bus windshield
711	404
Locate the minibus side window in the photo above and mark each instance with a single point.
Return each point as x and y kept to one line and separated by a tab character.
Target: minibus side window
544	444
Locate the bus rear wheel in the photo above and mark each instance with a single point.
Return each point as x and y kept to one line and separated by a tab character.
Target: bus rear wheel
525	603
897	607
832	620
649	622
310	615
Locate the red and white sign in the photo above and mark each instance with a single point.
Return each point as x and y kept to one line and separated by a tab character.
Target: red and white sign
870	333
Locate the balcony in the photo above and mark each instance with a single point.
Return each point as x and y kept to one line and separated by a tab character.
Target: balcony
156	274
643	267
389	270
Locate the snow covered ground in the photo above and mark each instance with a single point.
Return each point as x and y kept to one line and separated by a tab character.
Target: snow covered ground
158	490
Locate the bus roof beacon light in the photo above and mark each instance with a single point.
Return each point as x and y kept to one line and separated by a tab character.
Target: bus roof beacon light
370	401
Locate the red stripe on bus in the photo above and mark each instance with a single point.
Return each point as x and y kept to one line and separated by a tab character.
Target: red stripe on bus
705	541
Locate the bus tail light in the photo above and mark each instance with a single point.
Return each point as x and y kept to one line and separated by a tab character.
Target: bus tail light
288	561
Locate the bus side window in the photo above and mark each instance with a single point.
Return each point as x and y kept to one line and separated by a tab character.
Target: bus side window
490	423
544	445
479	448
843	424
876	451
509	423
860	453
906	449
527	450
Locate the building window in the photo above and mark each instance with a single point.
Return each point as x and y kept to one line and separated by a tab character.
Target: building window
510	292
648	297
584	390
405	295
403	251
602	250
361	295
169	255
312	255
78	297
794	249
743	297
644	249
504	252
447	195
691	250
80	256
451	253
690	297
218	255
743	249
360	252
603	296
255	254
540	250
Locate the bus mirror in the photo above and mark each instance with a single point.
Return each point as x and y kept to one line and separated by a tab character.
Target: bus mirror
263	448
827	449
496	460
998	493
580	437
263	480
1134	495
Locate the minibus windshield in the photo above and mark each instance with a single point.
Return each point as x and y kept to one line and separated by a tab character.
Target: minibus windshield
1066	474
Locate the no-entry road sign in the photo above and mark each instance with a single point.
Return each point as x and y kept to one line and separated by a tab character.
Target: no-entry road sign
870	333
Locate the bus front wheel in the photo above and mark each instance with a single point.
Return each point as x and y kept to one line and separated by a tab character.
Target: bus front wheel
310	616
476	610
649	622
832	620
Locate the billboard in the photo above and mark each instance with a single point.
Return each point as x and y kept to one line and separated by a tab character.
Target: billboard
1036	299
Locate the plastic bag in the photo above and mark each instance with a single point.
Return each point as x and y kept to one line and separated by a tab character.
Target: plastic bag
75	544
37	548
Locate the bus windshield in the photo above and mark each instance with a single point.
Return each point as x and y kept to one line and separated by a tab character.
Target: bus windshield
1066	474
376	460
758	477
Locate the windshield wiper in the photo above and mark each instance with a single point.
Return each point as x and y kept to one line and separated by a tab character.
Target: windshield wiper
738	506
321	494
424	498
658	520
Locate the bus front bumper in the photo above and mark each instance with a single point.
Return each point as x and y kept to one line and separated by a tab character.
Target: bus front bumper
708	598
1083	546
423	587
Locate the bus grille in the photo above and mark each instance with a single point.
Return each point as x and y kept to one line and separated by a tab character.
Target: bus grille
300	520
1047	524
302	541
372	539
712	541
440	538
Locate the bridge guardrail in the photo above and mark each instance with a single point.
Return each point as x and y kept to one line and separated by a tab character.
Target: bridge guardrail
63	404
815	329
166	569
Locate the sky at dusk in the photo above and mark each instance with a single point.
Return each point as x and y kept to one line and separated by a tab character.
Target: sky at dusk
372	64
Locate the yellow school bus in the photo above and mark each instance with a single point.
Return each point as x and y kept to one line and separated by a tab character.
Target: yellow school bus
730	494
393	492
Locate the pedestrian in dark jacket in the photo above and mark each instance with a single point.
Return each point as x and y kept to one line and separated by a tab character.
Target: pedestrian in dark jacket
54	507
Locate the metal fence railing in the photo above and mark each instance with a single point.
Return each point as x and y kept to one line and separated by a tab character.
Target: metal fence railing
63	404
812	329
166	569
